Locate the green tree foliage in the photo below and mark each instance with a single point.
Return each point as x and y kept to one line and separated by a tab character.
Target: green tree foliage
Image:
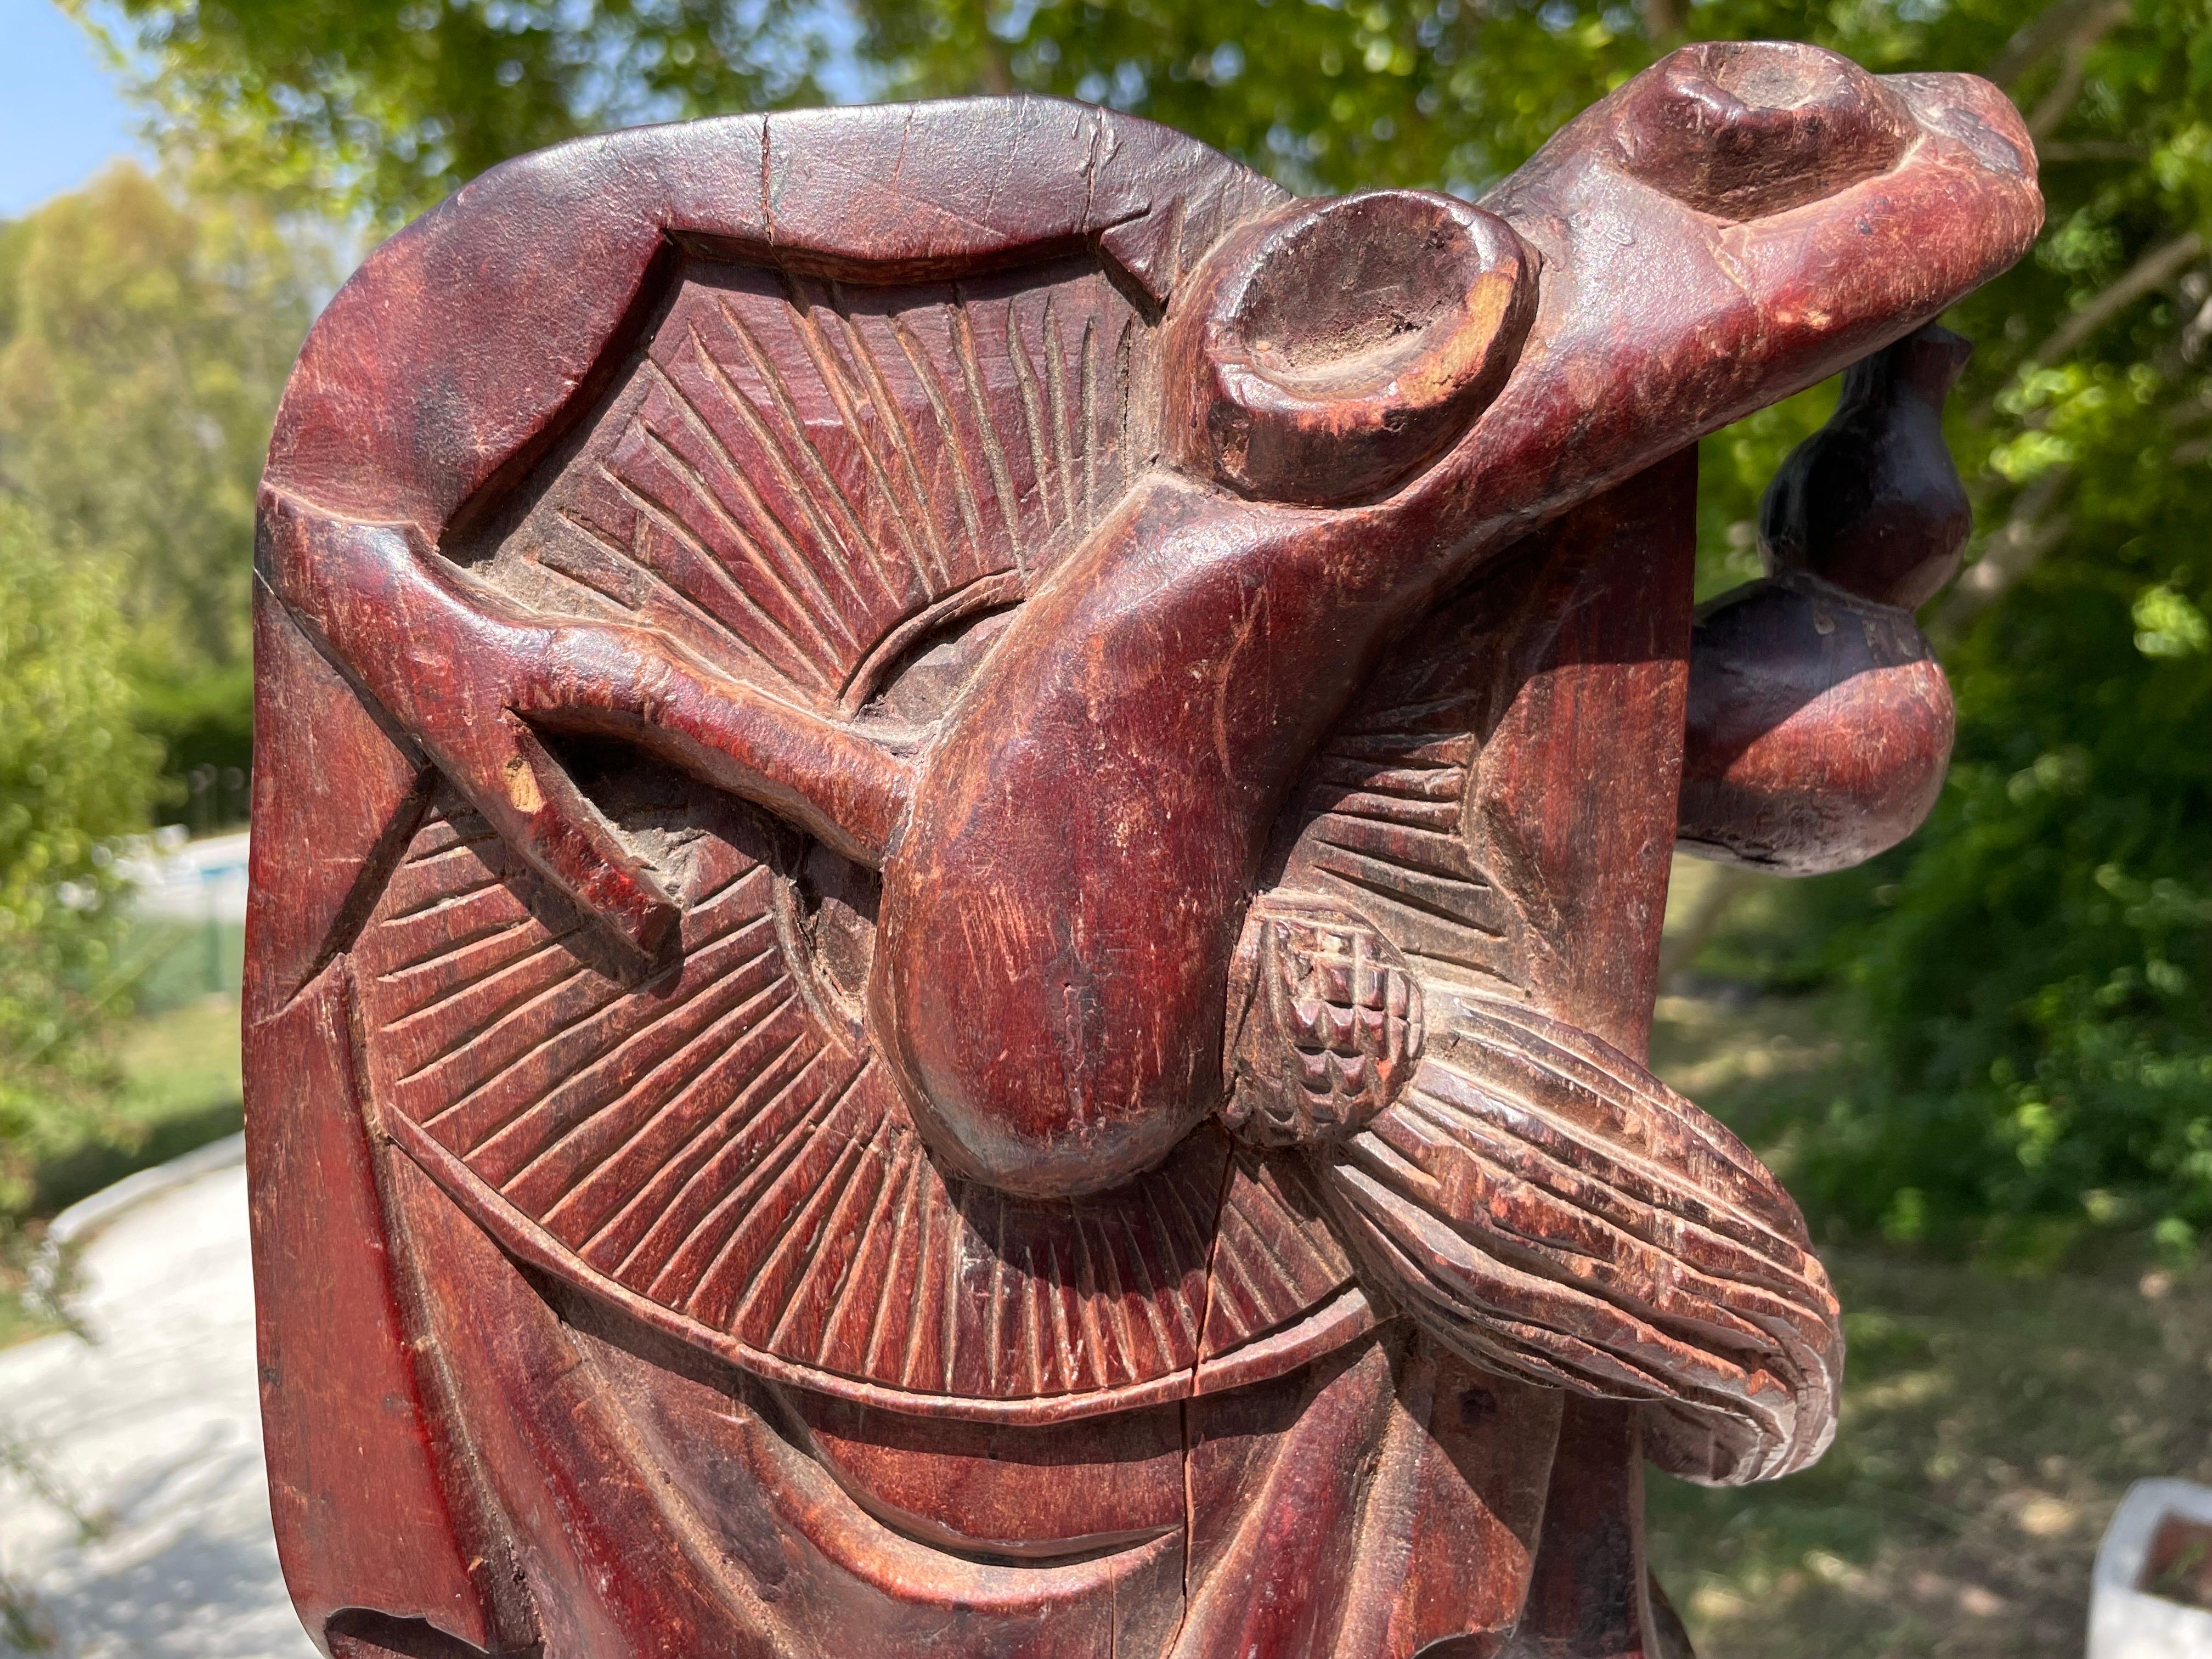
381	109
2033	971
73	773
144	338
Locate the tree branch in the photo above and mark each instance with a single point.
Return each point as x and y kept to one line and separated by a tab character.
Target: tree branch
994	70
2055	104
2041	36
2031	530
2025	537
2154	270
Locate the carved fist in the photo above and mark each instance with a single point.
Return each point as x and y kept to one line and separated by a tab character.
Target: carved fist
1325	1024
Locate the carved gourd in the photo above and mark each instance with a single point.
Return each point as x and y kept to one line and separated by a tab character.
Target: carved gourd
1819	721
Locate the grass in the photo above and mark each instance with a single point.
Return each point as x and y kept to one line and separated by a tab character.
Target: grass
18	1323
185	962
180	1062
180	1090
1990	1423
1989	1427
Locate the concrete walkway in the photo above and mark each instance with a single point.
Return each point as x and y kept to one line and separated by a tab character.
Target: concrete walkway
183	880
157	1426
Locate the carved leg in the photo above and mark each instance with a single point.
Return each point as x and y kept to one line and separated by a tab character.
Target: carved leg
1589	1597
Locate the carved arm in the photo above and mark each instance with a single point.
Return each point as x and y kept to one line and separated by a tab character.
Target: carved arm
474	686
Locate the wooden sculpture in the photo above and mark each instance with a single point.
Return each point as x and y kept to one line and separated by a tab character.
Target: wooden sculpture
960	831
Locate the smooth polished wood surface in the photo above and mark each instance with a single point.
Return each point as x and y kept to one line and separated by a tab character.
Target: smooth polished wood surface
960	833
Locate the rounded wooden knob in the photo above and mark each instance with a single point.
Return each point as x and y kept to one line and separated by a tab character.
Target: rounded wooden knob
1330	349
1742	129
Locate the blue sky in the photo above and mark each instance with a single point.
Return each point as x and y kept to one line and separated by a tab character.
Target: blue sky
61	116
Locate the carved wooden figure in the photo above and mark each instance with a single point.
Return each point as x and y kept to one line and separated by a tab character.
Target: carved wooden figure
960	831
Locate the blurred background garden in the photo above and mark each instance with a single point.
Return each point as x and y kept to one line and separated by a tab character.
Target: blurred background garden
1984	1062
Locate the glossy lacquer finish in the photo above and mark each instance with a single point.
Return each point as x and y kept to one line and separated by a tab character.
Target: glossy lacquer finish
960	835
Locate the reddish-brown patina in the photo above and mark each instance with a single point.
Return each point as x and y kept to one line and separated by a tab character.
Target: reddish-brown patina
959	838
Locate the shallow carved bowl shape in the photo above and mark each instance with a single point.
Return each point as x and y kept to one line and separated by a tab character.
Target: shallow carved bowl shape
960	824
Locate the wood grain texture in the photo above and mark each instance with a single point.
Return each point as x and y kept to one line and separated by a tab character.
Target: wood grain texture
958	852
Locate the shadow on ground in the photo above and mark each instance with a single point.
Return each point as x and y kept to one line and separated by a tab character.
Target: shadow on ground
1991	1422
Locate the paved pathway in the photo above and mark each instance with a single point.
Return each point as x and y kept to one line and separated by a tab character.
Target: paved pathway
183	880
157	1426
